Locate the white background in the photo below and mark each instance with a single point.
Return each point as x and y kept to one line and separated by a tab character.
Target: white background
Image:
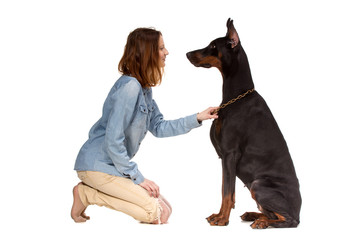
59	59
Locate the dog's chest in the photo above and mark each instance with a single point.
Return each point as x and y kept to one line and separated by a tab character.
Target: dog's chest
217	128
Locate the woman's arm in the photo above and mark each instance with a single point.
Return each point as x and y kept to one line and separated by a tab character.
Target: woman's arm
163	128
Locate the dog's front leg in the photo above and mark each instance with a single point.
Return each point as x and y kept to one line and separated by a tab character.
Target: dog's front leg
228	193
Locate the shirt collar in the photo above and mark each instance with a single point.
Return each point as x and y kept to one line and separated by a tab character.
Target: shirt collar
146	90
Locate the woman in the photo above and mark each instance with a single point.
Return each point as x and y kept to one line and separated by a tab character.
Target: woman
109	177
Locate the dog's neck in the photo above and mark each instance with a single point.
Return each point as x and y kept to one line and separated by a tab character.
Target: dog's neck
237	81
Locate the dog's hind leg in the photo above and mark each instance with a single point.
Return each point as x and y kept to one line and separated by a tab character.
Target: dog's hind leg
251	216
274	207
228	192
280	221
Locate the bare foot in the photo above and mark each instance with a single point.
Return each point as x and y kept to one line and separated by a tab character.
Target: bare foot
165	213
161	197
78	208
84	215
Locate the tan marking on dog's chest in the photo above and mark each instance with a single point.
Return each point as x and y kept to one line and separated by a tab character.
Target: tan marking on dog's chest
218	125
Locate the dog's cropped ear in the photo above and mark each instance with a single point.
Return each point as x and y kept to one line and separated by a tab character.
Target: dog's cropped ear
232	34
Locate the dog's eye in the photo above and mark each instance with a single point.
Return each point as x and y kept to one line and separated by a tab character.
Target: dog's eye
212	45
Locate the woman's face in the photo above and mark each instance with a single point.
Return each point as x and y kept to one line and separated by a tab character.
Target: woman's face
162	51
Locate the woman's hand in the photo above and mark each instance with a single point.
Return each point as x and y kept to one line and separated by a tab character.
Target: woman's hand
207	114
151	187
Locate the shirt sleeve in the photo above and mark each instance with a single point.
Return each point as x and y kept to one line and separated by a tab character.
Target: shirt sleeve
123	106
168	128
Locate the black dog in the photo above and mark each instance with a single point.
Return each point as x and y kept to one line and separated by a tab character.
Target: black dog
248	140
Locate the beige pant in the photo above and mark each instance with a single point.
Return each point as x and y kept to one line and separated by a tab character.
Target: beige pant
118	193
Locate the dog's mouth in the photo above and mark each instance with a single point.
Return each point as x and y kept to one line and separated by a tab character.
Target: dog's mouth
196	61
193	59
206	65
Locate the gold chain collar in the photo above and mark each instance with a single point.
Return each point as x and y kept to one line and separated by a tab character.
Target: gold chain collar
234	100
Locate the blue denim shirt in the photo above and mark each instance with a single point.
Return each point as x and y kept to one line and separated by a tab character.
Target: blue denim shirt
128	113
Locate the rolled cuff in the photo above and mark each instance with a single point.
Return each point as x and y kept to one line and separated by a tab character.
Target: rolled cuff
192	122
137	178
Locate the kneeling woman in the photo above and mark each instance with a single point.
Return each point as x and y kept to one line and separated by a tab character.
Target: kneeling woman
108	176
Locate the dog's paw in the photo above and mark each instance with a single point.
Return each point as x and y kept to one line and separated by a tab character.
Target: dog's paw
250	216
212	217
217	220
259	224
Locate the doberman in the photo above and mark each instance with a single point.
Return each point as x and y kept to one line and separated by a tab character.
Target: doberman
248	141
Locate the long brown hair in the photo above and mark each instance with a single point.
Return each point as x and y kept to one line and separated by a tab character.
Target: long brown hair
141	57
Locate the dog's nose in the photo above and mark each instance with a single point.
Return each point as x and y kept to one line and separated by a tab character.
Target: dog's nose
188	55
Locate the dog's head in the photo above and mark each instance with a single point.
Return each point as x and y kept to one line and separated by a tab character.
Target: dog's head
220	53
